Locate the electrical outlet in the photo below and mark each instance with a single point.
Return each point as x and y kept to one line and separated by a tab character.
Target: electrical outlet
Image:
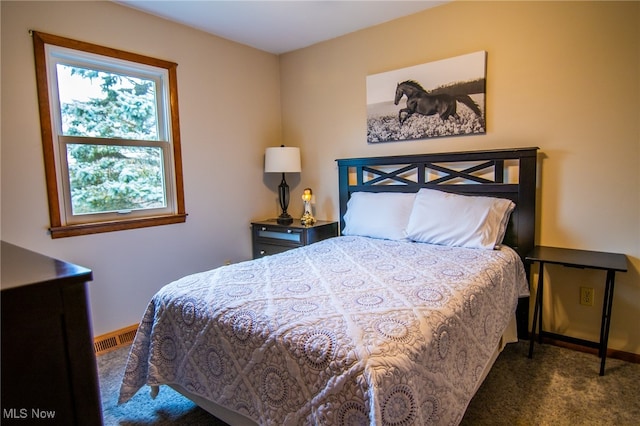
586	296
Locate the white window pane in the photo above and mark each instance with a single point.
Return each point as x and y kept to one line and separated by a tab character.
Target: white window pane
108	178
102	104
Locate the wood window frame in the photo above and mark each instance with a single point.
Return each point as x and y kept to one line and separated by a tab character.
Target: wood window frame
58	228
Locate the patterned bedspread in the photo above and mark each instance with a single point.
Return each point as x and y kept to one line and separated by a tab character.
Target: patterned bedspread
350	330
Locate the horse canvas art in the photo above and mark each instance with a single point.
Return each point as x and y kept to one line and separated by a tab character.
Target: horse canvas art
421	102
442	98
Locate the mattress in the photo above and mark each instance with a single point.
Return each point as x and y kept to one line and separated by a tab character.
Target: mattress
350	330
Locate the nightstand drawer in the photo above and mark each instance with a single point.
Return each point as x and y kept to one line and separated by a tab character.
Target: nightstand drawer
269	237
261	250
279	234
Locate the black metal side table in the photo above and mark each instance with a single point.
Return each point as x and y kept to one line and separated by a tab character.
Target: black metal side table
609	262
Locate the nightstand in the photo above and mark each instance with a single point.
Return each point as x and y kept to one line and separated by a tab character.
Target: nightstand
609	262
269	237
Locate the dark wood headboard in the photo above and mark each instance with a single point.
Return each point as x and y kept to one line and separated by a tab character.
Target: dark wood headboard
507	173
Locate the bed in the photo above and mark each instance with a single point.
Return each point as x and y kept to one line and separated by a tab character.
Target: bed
395	322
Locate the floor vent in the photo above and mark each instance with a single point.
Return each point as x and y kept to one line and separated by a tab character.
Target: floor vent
114	340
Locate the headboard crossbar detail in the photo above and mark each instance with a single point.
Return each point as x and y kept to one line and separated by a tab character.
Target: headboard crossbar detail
421	171
382	175
469	173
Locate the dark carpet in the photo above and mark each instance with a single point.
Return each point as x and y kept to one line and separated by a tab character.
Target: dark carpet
557	387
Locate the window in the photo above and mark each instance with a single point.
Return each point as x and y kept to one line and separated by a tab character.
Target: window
110	135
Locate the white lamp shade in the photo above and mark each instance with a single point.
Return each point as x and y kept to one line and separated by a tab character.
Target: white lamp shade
282	159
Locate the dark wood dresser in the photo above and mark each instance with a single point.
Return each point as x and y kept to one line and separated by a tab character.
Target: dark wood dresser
49	370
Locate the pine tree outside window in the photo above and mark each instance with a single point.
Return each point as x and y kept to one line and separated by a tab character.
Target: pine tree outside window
110	135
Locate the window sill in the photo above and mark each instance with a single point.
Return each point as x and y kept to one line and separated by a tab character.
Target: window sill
120	225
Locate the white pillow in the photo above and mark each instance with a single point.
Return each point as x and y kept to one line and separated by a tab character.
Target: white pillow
459	220
378	214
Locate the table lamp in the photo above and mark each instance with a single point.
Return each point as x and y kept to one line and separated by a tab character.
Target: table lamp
282	160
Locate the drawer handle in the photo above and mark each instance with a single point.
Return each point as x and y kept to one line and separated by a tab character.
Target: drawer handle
289	231
262	252
264	228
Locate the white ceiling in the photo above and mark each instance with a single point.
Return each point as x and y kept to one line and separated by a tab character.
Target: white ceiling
280	26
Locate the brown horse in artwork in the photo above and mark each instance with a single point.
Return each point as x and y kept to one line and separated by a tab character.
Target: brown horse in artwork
421	102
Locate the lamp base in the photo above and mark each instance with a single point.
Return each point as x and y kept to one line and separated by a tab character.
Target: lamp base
284	219
283	196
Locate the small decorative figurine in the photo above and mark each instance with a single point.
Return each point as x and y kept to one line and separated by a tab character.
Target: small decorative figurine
307	218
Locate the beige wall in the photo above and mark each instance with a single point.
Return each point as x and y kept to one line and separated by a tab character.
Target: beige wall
229	99
560	76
